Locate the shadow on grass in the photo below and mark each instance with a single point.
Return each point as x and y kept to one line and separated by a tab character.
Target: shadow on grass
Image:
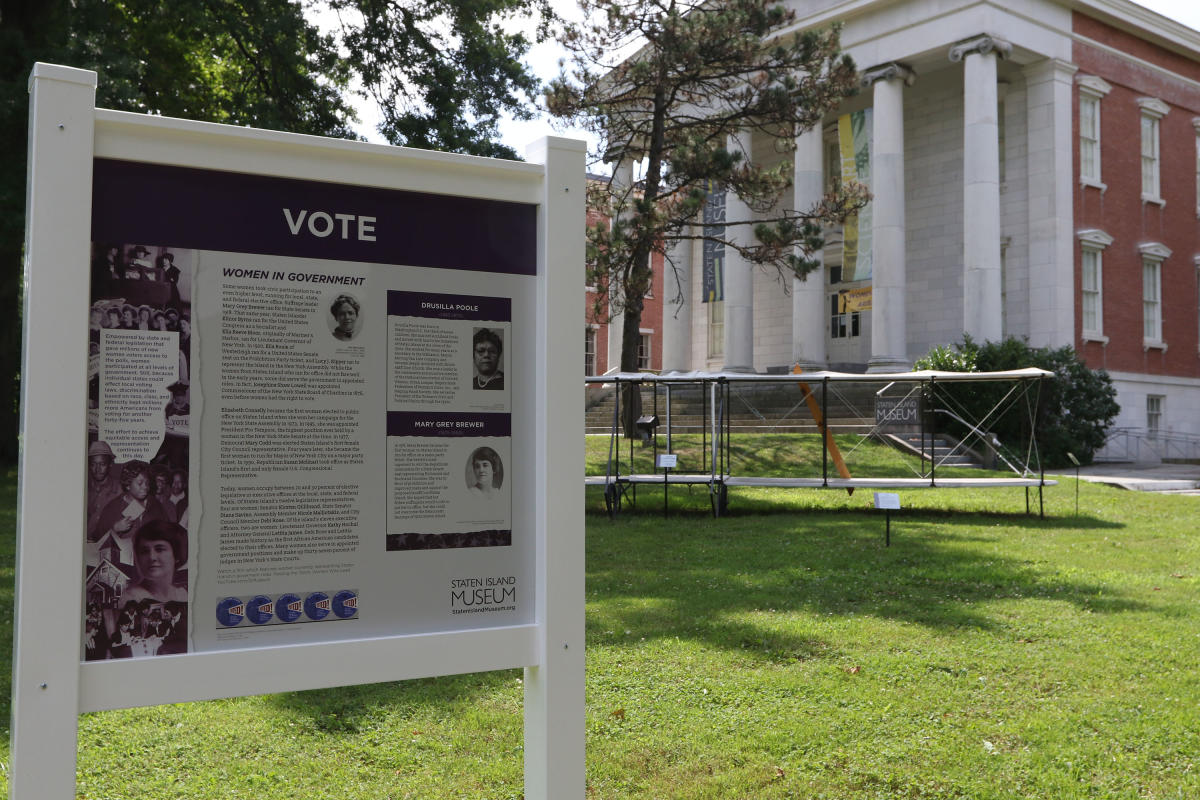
1005	504
353	709
704	578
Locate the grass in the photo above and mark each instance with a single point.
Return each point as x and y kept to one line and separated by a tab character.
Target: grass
768	455
780	652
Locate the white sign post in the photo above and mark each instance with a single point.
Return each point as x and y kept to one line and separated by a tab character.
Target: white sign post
411	506
887	501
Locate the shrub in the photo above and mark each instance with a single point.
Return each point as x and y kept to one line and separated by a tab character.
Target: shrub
1077	408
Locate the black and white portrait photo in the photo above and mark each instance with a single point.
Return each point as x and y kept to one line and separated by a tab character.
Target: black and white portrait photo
487	359
485	474
347	317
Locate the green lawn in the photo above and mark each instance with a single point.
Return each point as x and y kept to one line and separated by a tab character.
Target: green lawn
780	652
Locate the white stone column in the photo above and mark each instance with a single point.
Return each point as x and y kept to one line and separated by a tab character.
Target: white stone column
1051	203
808	295
739	285
889	322
982	312
677	307
622	179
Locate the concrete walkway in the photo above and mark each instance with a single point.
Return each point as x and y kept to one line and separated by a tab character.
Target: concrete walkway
1165	478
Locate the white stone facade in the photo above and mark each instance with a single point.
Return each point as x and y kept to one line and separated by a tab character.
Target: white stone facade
974	174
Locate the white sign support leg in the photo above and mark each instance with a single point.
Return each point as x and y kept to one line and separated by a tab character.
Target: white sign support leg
554	690
57	235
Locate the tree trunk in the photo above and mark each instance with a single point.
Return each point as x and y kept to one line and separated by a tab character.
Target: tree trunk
631	394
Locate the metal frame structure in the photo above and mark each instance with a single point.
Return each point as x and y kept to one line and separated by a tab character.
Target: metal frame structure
620	485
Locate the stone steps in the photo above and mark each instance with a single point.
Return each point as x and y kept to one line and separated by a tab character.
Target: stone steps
939	452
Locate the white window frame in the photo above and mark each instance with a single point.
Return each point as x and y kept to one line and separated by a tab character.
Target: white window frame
1196	261
1153	110
645	352
1005	243
1196	126
1153	256
1092	243
716	328
591	334
1002	134
1091	91
843	324
1155	405
831	158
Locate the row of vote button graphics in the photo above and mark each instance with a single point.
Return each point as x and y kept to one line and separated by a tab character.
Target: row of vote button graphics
262	609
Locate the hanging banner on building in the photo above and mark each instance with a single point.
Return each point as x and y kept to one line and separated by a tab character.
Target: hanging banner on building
335	379
713	262
853	300
854	144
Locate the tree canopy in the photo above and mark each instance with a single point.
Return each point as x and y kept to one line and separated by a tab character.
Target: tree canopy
442	71
670	83
249	62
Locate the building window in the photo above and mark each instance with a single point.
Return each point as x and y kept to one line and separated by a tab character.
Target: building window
1001	135
643	355
716	329
1089	139
1093	321
1091	91
1154	413
1153	110
1005	242
833	159
1196	125
1091	283
1149	158
1197	262
842	324
1153	255
1151	300
589	351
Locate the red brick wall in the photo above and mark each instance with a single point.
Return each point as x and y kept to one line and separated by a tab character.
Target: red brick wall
1120	212
651	313
590	316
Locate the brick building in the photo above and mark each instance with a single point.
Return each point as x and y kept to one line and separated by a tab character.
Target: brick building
1035	166
602	332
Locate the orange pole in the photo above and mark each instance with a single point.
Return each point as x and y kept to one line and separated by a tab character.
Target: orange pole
830	445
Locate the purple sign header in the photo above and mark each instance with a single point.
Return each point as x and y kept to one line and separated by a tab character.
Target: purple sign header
409	423
449	306
242	213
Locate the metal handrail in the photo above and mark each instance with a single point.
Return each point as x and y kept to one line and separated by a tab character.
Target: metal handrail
1128	443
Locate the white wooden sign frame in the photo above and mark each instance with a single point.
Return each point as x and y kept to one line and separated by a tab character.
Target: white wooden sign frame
51	686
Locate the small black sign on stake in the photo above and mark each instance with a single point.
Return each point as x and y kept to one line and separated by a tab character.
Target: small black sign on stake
887	501
1075	461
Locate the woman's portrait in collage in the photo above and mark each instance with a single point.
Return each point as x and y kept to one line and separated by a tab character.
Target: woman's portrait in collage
137	510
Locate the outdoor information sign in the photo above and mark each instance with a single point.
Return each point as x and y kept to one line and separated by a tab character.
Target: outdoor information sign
306	443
